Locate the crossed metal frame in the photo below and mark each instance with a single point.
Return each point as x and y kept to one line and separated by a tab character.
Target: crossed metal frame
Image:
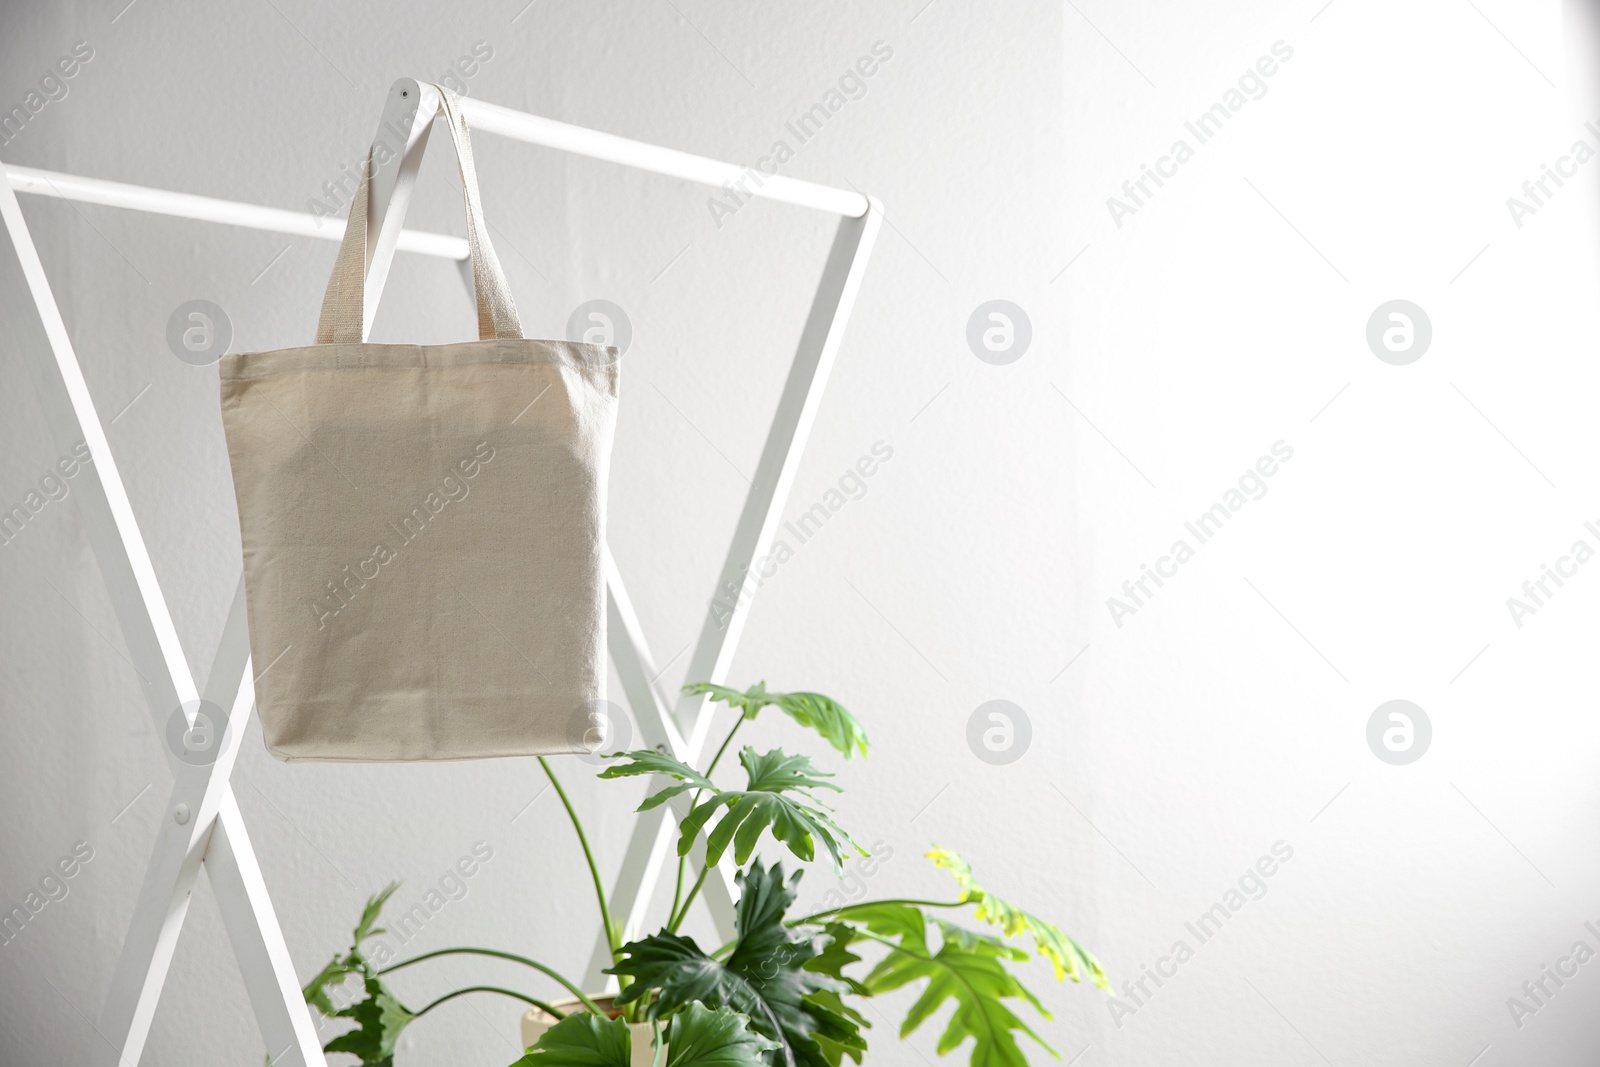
202	825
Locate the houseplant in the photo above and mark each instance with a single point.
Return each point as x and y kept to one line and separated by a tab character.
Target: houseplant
779	994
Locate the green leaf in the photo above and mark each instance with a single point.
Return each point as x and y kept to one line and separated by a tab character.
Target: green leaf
814	711
764	978
796	820
369	915
339	969
675	966
968	968
834	958
379	1015
751	701
380	1018
1070	958
582	1039
886	920
835	1051
828	718
330	977
697	1036
650	761
776	772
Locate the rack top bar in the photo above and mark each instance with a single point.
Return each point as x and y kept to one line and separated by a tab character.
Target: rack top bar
747	181
210	209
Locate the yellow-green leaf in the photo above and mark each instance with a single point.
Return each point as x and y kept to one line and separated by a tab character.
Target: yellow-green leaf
1070	958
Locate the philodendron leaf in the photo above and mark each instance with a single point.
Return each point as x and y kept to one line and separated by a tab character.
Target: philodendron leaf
764	978
380	1018
814	711
1070	958
582	1039
379	1015
776	797
828	718
330	977
967	968
339	968
649	761
697	1036
369	915
750	702
836	956
853	1045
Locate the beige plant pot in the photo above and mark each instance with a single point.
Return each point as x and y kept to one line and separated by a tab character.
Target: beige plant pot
535	1021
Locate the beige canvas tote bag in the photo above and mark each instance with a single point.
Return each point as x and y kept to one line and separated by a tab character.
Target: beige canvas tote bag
422	526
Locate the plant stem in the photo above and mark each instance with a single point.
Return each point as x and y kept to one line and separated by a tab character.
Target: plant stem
490	989
678	913
661	1046
612	938
535	964
880	939
870	903
724	747
677	920
725	949
677	892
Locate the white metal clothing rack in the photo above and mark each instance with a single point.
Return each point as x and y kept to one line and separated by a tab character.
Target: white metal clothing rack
202	825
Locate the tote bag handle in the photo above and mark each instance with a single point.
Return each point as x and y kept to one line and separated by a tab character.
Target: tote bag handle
342	306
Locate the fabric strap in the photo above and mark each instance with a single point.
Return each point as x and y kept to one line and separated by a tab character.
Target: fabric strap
343	305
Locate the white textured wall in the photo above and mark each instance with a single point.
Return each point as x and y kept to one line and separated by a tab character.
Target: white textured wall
1228	313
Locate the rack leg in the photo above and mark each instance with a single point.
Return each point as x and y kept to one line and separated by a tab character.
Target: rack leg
199	792
651	844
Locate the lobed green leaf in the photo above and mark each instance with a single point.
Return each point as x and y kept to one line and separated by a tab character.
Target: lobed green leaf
775	799
1069	958
380	1019
831	721
764	978
650	761
967	969
697	1036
